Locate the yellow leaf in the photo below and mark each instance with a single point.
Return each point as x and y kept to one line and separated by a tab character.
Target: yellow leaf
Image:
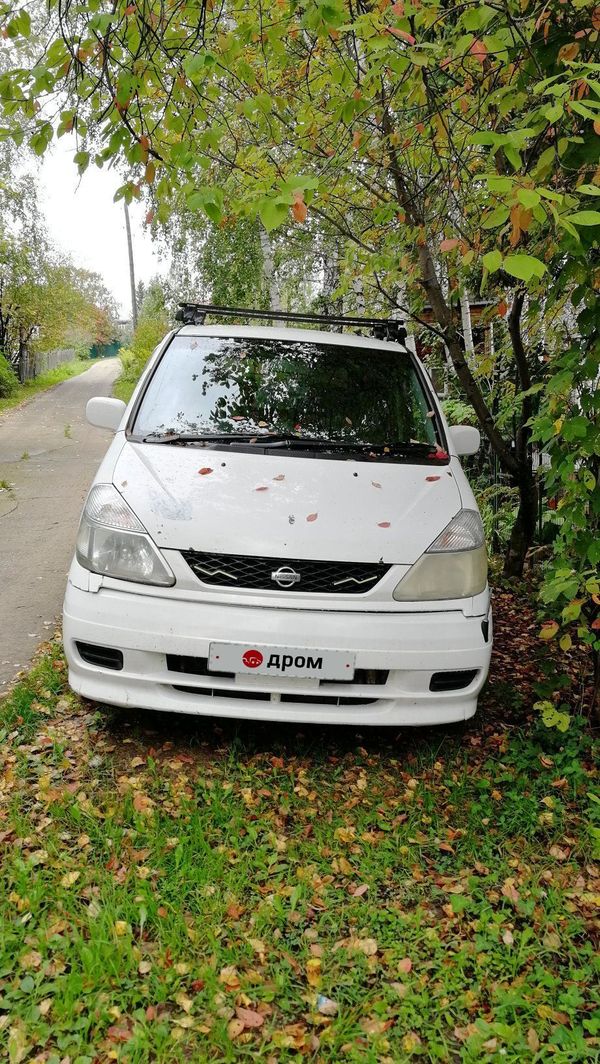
313	971
183	1001
566	642
69	879
549	630
33	959
234	1029
121	927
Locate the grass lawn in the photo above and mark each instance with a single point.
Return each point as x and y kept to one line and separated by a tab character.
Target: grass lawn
175	889
45	381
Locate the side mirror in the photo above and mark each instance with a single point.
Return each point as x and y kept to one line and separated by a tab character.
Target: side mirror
105	413
465	439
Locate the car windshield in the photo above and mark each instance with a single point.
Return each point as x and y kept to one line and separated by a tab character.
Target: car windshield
236	386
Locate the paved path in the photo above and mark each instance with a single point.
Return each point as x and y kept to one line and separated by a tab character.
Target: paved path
48	456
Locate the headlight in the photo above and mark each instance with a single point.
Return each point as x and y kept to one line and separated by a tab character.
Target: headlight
112	542
454	566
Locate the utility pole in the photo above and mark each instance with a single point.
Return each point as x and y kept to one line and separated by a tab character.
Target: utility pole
134	309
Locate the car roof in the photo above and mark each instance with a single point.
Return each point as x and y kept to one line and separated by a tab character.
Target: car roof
315	336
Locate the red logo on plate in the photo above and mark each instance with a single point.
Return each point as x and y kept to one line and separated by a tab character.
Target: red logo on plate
252	659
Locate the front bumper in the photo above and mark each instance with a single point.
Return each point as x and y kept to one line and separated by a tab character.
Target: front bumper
410	646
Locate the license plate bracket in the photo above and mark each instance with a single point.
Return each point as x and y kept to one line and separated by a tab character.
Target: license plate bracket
250	659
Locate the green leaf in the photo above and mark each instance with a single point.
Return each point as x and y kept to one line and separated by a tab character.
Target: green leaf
495	218
583	218
589	190
528	197
272	213
492	261
524	267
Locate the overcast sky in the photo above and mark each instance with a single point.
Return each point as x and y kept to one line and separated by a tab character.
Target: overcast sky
84	221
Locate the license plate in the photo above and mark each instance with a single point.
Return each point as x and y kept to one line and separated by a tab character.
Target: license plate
247	659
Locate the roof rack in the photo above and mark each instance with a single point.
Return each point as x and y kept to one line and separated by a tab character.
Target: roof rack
380	328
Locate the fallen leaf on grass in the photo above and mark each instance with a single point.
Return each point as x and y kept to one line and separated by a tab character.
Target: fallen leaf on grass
69	879
326	1006
30	960
313	971
229	977
558	853
510	891
532	1040
405	965
249	1017
235	1028
184	1001
118	1033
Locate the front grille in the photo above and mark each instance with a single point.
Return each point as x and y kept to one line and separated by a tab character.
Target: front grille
191	666
199	667
243	571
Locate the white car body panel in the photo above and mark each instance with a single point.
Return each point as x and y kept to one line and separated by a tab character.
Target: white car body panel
366	511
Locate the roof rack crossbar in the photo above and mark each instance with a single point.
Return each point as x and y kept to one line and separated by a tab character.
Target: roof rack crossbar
383	328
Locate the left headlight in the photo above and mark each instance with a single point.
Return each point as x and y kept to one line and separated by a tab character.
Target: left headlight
112	542
454	566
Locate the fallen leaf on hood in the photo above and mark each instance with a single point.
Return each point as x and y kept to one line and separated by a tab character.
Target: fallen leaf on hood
312	517
384	524
205	471
264	487
430	479
281	476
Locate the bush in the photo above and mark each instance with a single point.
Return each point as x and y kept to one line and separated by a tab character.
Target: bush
8	380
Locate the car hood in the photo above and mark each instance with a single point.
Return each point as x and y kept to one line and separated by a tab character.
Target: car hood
286	506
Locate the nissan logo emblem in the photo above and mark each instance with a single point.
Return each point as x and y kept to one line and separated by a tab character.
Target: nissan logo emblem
285	576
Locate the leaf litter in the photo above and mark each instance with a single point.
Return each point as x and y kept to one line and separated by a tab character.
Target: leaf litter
223	888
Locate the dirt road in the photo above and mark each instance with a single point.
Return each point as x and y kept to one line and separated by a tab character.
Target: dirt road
48	456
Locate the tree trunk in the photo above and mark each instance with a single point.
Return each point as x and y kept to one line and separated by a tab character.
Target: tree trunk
134	306
523	530
269	270
467	328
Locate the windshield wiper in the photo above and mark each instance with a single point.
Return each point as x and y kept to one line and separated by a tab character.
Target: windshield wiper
205	437
378	449
269	440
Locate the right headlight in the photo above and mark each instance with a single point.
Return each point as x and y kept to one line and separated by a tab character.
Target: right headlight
454	566
111	541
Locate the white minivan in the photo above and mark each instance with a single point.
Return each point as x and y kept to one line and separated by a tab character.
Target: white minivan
281	530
